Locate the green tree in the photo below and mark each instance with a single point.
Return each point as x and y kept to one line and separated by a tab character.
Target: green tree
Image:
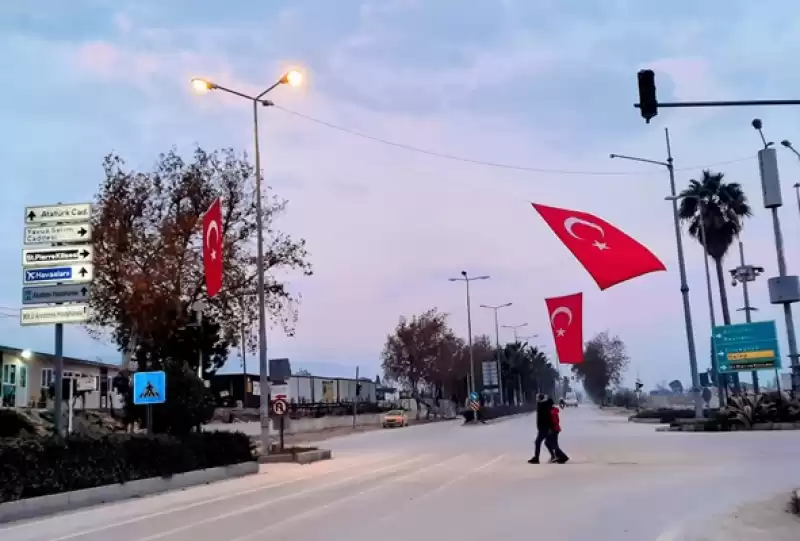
605	359
721	207
526	371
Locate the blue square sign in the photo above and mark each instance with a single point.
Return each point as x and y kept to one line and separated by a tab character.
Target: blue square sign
149	388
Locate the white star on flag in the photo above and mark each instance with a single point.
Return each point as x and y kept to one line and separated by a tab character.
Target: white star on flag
560	332
600	245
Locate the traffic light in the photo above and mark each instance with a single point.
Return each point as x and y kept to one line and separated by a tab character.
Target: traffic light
705	379
358	389
648	104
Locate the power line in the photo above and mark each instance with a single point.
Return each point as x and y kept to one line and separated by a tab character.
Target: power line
497	165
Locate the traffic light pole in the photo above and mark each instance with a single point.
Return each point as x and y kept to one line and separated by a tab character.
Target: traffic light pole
649	104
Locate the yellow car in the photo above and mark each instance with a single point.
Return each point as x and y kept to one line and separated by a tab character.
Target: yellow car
394	418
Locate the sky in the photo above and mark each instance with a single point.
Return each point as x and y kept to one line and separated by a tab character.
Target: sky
546	86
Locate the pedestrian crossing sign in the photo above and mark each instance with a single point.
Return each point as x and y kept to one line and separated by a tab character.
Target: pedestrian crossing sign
149	388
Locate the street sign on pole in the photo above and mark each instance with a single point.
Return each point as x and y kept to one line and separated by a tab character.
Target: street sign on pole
280	407
49	315
56	294
48	214
490	375
48	234
149	388
63	274
47	257
747	346
60	272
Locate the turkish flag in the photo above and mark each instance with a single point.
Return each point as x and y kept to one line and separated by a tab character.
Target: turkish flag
212	247
609	255
566	320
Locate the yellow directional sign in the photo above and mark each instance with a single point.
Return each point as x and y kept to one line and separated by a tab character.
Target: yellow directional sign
746	355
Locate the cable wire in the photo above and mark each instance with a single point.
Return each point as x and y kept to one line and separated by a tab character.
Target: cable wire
497	165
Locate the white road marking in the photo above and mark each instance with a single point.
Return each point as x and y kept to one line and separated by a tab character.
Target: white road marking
339	501
267	503
171	510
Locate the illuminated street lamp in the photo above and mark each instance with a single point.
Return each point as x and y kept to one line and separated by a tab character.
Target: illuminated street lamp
200	85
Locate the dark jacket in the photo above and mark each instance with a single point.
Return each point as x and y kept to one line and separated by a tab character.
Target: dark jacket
544	415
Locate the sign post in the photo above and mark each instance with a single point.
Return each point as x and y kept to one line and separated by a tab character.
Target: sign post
747	346
280	407
149	388
57	273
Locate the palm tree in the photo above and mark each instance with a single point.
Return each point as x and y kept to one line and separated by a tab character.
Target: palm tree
722	207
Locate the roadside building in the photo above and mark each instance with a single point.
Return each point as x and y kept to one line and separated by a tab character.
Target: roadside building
27	374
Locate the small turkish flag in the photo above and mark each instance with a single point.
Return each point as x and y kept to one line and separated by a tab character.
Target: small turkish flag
566	320
212	247
608	255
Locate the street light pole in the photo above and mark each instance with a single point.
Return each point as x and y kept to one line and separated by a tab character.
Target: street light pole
796	185
293	78
514	329
497	347
783	289
467	279
709	290
687	311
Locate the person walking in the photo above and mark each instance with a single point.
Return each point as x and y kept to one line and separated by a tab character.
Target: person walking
544	427
558	455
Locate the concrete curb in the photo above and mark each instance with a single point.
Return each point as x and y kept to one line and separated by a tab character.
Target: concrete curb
303	457
646	421
685	425
54	503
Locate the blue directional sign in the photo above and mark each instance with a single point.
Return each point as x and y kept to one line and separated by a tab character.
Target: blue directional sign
747	346
65	274
149	388
474	396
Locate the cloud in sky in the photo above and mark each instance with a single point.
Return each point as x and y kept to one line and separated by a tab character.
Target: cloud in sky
548	85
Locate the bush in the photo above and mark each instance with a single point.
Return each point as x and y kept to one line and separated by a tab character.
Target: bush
668	415
32	467
189	403
14	424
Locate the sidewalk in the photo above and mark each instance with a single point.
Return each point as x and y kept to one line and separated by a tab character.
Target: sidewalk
766	520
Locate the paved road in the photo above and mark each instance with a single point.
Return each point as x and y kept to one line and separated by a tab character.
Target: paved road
445	481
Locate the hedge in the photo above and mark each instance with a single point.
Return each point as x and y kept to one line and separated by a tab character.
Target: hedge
32	467
669	415
488	413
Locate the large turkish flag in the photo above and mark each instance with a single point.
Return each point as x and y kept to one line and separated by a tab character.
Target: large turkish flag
566	320
212	247
608	255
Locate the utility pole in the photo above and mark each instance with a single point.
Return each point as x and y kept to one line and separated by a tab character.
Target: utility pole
355	401
783	289
244	369
467	279
495	309
743	274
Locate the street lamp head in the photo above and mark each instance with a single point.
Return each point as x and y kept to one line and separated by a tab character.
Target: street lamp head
201	85
464	274
292	78
485	277
757	123
26	354
612	156
786	143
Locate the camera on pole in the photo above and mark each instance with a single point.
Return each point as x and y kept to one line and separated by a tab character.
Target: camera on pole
648	104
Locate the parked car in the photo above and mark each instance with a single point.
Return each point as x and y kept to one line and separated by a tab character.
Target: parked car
395	418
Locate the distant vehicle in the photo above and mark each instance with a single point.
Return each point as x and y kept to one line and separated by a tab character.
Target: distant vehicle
395	418
571	400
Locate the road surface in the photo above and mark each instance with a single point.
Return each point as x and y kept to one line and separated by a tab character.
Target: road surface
447	481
